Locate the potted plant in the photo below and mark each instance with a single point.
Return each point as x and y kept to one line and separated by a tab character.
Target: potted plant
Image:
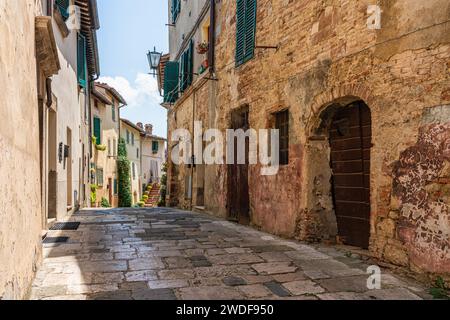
202	47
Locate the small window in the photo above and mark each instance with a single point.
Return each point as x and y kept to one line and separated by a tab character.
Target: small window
132	139
155	147
175	8
282	124
134	171
100	177
115	187
137	153
97	131
109	148
113	111
115	148
128	137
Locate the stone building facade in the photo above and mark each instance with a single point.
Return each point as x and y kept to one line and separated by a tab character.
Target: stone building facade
366	111
131	133
106	104
45	137
153	156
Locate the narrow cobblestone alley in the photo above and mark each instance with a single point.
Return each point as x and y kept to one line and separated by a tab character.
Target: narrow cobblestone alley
156	254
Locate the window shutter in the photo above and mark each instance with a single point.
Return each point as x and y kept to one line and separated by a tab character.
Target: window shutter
190	64
81	48
182	72
63	7
115	186
113	110
171	81
245	30
240	31
250	29
155	147
97	131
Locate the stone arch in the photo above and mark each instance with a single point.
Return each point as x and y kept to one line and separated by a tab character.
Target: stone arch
320	212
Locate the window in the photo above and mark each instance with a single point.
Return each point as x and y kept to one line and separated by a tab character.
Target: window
63	8
187	67
175	8
137	153
113	112
115	148
115	187
155	147
97	131
134	171
100	177
245	30
109	148
128	137
132	139
171	81
81	66
282	124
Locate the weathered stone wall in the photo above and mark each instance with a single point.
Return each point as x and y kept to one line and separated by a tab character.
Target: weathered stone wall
20	202
328	55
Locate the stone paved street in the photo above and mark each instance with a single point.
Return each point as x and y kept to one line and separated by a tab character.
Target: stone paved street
148	254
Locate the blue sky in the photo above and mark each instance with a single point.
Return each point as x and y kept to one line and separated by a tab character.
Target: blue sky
128	29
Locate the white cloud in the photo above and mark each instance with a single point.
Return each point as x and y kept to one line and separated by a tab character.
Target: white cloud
142	92
143	100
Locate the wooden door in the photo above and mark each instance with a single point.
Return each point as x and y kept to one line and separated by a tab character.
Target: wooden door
351	141
238	190
110	188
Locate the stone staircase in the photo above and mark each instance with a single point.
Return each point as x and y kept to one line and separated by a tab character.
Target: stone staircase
153	196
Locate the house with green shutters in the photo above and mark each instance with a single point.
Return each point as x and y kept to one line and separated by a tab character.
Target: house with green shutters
106	103
67	123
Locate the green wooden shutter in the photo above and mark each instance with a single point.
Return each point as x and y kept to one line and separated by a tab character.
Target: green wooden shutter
245	30
155	146
175	9
240	31
97	130
250	29
63	7
81	48
190	63
171	81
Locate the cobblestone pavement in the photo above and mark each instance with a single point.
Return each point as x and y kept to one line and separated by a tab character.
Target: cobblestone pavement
170	254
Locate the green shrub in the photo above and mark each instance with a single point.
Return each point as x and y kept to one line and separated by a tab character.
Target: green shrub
100	147
163	190
93	197
105	203
145	197
124	181
141	204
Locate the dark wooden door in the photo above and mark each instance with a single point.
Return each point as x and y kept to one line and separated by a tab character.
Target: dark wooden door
351	141
110	187
238	190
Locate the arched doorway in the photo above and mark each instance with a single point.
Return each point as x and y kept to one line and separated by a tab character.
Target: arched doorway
350	137
338	178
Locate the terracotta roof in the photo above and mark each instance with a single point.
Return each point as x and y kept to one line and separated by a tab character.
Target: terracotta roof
152	136
131	124
100	96
111	90
162	65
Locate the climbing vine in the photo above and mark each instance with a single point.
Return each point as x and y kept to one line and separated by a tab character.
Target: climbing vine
123	171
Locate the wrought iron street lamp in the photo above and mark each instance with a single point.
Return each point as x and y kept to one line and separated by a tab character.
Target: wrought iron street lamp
154	59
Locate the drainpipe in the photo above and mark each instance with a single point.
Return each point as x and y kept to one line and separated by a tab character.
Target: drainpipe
212	36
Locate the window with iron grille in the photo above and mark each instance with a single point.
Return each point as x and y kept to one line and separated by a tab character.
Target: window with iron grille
100	177
282	124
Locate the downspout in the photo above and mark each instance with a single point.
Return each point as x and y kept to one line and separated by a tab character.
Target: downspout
212	37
